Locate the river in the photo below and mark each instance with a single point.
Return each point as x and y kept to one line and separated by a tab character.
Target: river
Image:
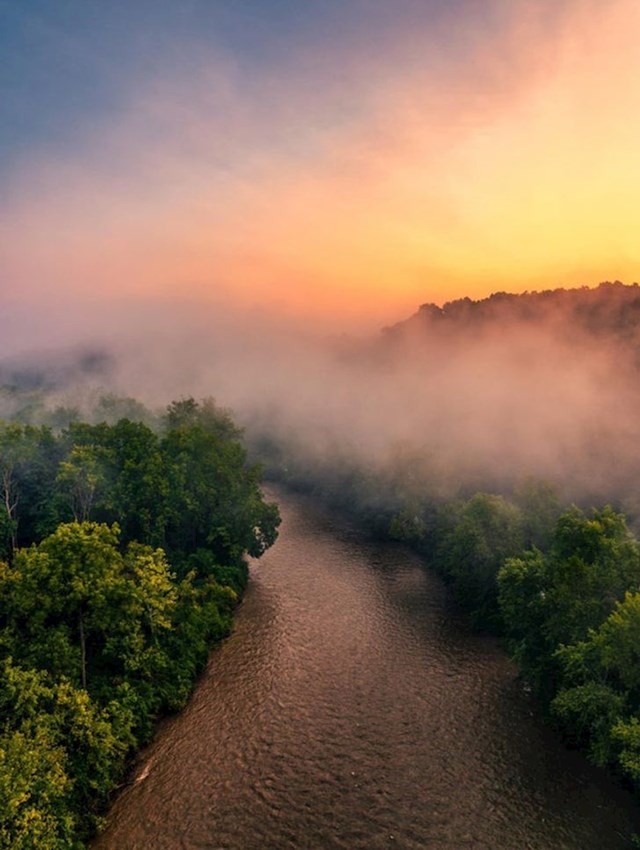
353	708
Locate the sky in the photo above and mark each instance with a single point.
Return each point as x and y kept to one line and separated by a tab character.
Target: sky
340	162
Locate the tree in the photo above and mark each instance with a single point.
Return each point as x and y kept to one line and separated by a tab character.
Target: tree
60	755
215	420
14	451
79	477
600	690
538	500
486	531
522	598
593	562
555	599
124	463
214	499
66	589
77	607
34	788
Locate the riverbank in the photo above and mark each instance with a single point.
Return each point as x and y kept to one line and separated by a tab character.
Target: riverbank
353	703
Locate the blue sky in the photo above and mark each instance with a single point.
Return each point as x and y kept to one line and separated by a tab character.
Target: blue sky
69	63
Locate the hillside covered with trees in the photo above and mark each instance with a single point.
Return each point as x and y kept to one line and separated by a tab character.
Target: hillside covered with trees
609	311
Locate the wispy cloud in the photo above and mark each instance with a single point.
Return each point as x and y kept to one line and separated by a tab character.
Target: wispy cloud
482	152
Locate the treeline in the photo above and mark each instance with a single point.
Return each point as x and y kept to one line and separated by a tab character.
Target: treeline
122	560
611	310
559	583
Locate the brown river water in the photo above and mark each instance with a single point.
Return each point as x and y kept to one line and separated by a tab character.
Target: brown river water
353	707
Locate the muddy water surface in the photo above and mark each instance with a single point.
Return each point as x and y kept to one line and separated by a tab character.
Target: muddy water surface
353	708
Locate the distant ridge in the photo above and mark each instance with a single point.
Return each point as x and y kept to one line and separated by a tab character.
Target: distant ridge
610	307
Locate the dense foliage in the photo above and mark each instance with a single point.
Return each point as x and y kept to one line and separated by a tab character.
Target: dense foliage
123	558
572	617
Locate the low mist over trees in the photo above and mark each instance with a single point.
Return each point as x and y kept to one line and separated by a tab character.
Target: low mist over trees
489	391
480	433
123	560
485	392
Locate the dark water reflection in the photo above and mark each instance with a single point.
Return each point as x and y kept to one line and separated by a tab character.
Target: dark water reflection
352	708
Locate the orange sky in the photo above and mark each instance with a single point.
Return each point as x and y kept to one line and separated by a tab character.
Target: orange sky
515	166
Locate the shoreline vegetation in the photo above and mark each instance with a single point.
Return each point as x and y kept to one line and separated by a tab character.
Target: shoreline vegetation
122	558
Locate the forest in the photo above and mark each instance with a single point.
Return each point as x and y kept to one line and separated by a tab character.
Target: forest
123	557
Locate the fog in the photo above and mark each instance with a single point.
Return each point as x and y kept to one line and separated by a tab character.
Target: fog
478	395
194	207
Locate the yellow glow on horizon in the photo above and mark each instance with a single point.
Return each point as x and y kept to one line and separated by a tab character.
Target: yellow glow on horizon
421	199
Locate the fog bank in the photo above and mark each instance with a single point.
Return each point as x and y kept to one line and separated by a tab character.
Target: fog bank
482	393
